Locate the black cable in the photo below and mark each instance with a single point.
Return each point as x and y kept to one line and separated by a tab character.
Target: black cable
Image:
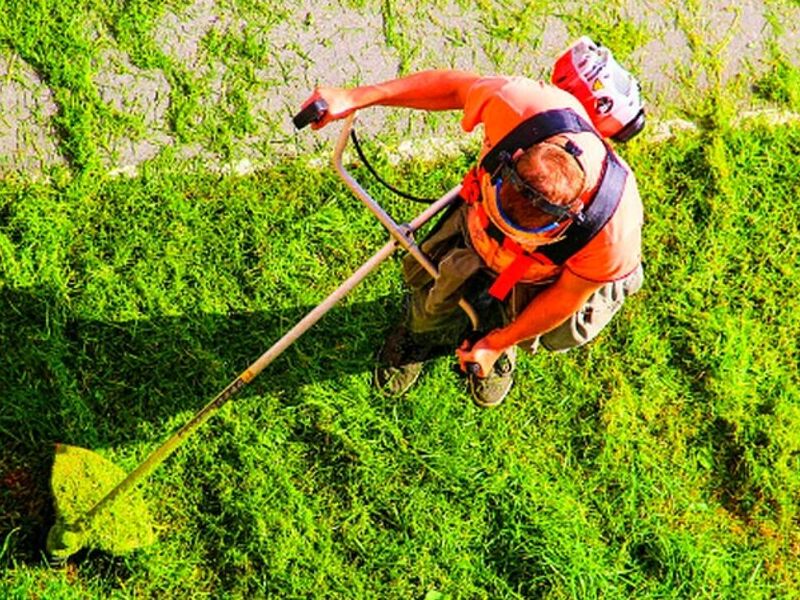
379	178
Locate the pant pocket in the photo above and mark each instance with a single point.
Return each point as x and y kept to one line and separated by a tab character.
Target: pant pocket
589	321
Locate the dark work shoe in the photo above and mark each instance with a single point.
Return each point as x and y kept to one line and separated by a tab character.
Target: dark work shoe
400	362
492	390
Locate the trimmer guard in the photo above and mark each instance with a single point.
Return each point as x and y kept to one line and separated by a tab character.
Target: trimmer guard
79	480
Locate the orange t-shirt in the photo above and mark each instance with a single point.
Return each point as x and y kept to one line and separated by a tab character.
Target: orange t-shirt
502	103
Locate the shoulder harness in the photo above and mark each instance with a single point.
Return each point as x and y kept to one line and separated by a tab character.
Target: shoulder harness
600	209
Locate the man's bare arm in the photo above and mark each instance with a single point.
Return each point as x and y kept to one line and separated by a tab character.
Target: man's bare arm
427	90
546	311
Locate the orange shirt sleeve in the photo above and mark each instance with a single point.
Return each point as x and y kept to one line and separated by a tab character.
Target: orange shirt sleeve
502	103
482	93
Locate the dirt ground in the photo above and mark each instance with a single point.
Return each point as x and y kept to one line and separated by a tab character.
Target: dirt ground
319	42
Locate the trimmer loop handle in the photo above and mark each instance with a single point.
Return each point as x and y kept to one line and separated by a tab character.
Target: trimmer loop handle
311	113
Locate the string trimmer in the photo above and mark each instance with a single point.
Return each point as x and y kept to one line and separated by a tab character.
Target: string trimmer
89	490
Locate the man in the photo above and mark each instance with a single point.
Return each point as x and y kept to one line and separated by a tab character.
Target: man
546	244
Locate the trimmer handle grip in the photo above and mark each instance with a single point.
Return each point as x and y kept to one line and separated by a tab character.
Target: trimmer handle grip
473	368
311	113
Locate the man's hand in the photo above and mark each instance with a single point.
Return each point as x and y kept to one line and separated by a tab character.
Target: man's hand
340	104
483	353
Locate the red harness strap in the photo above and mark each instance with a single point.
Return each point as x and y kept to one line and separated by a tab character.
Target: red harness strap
510	276
471	187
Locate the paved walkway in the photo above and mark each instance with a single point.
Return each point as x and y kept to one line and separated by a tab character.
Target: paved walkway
320	41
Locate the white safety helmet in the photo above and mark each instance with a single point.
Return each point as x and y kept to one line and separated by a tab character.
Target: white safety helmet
609	93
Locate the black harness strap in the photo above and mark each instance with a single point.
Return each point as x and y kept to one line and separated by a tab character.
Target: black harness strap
532	131
596	215
603	203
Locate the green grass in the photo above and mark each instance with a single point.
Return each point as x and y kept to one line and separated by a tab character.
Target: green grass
659	462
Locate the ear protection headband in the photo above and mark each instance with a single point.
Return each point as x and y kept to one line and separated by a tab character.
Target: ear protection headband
507	174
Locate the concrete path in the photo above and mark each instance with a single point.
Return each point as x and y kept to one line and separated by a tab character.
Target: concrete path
324	41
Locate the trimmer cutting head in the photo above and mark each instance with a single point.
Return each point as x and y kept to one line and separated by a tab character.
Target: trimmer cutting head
80	479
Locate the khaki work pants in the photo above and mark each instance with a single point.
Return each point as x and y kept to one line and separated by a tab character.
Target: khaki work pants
435	318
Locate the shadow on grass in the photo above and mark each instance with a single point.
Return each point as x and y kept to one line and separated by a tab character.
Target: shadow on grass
96	384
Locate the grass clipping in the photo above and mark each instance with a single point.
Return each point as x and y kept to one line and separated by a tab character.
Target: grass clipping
81	478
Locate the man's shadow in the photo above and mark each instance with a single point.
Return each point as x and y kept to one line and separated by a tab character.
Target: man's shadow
89	383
